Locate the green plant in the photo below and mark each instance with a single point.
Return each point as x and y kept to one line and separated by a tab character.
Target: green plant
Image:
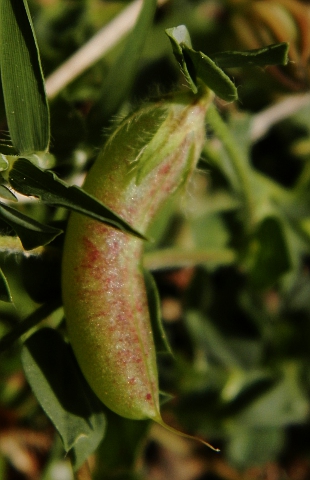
235	375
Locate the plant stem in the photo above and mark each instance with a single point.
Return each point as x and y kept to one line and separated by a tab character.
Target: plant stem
238	160
33	319
14	245
175	258
83	472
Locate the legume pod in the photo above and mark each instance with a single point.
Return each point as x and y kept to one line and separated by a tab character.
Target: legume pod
150	155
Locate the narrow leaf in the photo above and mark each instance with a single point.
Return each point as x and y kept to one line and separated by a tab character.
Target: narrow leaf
22	80
5	294
32	234
179	37
276	54
30	180
63	393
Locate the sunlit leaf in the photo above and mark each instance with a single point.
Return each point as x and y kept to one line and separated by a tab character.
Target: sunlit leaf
22	80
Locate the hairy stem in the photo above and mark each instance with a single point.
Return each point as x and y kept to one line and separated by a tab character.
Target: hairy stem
238	162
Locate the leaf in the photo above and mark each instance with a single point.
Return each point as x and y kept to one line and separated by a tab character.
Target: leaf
210	74
196	65
5	294
22	79
284	404
3	163
32	234
30	180
276	54
6	193
63	393
160	338
116	85
179	36
248	446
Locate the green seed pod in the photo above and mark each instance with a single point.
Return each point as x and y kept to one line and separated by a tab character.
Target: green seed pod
149	156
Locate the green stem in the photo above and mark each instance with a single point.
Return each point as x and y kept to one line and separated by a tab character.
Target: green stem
175	258
13	245
31	321
239	163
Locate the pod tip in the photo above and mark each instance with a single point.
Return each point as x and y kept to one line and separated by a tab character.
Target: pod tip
185	435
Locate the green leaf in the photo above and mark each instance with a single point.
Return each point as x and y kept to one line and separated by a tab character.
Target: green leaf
284	404
160	338
276	54
179	36
32	234
196	65
210	74
5	294
22	79
30	180
63	393
7	194
123	71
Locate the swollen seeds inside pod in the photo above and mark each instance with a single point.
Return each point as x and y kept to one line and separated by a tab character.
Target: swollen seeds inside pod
150	155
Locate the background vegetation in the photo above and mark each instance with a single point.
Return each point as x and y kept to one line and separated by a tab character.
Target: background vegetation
231	259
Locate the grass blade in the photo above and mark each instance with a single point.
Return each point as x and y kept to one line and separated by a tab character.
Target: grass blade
22	80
